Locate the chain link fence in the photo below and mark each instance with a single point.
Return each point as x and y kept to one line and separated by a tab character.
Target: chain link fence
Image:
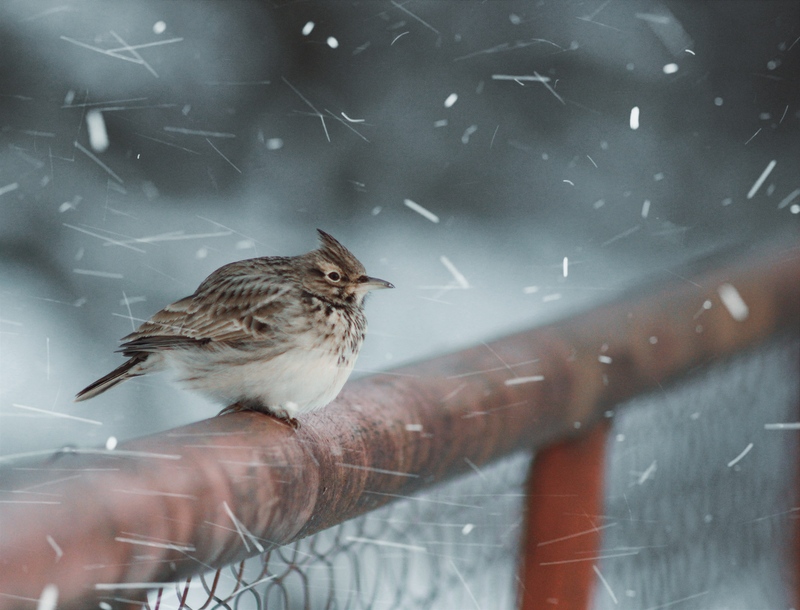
454	546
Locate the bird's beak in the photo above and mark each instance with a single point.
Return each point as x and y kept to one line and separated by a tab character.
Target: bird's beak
373	283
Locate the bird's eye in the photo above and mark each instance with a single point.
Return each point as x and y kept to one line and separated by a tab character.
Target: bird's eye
334	277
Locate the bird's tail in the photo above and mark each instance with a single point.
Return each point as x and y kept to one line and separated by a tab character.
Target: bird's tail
118	375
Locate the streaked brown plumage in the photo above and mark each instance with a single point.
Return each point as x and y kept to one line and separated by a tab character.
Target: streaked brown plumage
273	334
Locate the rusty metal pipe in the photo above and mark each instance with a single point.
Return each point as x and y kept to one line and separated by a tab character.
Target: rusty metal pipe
201	496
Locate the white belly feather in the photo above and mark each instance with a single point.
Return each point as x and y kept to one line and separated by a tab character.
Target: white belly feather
300	380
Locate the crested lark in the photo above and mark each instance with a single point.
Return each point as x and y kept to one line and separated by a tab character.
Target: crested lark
273	334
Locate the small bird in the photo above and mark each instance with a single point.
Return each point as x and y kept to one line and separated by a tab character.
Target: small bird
274	334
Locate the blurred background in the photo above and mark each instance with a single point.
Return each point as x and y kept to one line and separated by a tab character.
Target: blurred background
462	150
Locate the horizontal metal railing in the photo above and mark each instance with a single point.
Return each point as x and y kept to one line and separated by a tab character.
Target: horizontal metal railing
101	524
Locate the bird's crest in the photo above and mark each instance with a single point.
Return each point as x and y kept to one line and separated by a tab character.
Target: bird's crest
337	253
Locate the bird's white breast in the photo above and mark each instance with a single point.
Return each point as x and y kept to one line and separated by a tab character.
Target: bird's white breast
305	377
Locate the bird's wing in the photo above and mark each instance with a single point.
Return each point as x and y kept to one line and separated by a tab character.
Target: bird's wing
241	302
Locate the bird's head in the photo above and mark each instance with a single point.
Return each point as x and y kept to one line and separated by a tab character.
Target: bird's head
333	273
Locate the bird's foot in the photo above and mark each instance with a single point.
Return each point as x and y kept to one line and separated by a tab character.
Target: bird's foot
283	416
280	414
234	408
